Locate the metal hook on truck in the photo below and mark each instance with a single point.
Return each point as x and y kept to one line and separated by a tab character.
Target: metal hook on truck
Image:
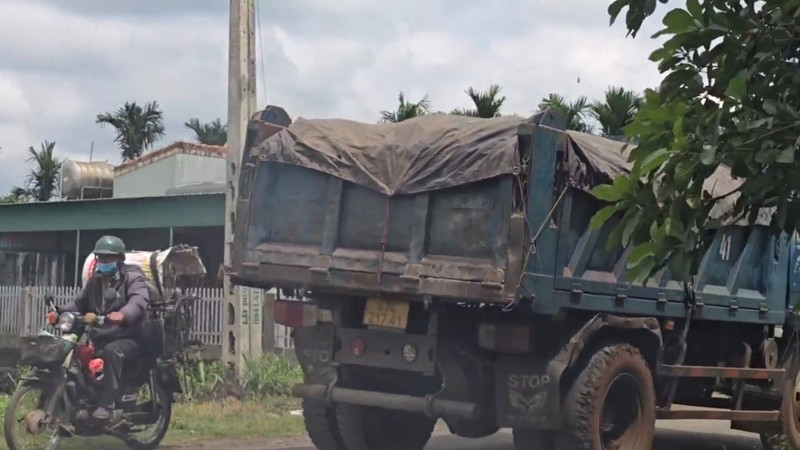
413	239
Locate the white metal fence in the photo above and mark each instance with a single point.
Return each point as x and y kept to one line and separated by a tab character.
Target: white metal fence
17	320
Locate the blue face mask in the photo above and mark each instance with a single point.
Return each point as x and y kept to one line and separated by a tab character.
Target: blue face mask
107	269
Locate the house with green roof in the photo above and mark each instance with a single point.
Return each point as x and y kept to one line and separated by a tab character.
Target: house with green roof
174	195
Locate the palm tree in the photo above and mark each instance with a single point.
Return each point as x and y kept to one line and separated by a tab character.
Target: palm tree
42	180
212	133
137	128
16	195
487	103
574	112
617	111
406	110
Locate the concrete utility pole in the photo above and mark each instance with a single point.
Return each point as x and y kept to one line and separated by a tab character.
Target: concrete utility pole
240	313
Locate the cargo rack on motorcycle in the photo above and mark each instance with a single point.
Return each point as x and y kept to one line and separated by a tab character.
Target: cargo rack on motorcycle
44	350
173	275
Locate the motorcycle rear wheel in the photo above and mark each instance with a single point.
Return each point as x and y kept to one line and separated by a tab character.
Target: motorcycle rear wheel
164	400
33	421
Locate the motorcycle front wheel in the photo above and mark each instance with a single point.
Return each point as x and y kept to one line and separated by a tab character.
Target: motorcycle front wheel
31	419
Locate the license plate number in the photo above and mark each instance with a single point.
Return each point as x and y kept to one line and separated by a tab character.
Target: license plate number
386	314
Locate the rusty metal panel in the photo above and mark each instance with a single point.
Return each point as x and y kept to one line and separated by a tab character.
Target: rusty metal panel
743	271
31	269
311	229
31	241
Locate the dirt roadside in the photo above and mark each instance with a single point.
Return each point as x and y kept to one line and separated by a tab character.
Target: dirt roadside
689	435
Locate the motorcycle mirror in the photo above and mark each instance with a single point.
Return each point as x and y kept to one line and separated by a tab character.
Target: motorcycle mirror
110	294
49	299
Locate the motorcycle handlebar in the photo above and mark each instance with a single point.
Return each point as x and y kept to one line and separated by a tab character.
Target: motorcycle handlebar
90	319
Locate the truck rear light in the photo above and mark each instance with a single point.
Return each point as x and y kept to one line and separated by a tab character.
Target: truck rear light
358	346
505	338
295	314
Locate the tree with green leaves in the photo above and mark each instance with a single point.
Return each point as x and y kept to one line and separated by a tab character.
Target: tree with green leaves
212	133
729	97
574	112
16	195
406	110
137	128
487	104
616	111
42	179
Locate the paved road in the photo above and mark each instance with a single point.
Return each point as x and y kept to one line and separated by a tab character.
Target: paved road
683	435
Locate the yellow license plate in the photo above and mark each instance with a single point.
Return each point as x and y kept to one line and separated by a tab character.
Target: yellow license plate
386	313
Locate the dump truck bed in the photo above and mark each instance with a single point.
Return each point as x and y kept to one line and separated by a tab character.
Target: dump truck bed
436	206
476	210
421	208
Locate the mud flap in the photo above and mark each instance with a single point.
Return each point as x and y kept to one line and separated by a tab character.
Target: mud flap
527	392
314	349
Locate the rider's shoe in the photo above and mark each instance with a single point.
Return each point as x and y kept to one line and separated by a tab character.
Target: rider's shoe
66	430
101	414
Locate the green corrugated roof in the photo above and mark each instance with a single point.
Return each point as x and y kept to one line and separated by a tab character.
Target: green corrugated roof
197	210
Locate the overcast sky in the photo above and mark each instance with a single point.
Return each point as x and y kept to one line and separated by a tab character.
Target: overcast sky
64	61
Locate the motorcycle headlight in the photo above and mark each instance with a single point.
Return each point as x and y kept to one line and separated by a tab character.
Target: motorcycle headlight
65	322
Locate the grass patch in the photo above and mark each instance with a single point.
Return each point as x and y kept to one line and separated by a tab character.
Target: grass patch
204	422
217	407
235	420
270	376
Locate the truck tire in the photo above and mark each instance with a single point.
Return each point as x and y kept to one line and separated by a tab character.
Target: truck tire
612	403
534	440
366	428
790	406
322	426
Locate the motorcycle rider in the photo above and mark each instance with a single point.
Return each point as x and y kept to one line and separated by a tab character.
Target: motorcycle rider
126	312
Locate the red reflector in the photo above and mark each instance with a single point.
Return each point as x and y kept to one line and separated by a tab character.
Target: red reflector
505	338
295	314
358	346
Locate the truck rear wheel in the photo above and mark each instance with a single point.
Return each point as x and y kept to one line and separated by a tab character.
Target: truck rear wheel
322	426
364	428
612	403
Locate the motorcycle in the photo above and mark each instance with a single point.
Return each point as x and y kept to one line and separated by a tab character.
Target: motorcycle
64	381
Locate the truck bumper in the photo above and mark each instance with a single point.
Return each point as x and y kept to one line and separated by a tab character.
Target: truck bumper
433	407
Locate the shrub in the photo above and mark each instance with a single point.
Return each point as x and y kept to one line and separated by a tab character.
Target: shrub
269	376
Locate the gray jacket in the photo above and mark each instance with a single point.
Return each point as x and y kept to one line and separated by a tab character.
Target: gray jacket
132	299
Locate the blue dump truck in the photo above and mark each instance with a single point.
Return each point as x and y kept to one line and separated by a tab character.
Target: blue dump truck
451	274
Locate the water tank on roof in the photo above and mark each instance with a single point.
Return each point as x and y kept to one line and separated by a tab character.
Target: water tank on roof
87	179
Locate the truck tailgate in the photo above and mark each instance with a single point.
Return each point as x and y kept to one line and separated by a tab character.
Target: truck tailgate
358	222
309	228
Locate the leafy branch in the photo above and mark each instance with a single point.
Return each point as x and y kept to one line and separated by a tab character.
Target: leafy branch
726	107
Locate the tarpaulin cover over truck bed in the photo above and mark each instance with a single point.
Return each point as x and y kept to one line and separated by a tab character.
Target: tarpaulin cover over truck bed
428	153
441	150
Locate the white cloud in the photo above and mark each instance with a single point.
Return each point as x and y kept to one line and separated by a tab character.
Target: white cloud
14	102
346	58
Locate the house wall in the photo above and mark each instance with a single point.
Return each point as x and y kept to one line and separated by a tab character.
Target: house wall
197	169
150	180
159	177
